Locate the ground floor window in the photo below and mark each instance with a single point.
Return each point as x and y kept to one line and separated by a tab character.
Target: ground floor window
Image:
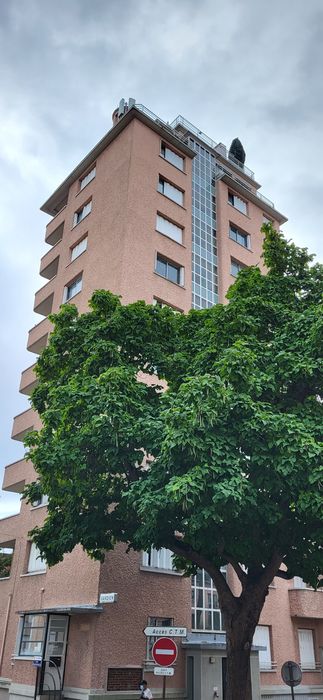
32	635
262	639
206	613
306	649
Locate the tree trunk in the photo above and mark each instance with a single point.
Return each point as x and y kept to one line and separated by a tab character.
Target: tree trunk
239	641
240	621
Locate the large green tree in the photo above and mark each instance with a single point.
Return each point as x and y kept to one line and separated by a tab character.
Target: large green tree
236	477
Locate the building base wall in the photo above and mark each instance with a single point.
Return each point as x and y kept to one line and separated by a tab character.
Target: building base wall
20	691
92	694
4	688
301	692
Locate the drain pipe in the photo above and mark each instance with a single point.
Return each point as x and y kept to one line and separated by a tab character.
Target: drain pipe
5	629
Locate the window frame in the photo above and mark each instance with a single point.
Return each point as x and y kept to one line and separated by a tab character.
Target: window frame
163	259
66	297
178	230
242	266
165	147
22	627
76	219
162	181
264	664
166	305
240	199
203	590
307	665
33	557
235	232
73	247
87	177
157	554
40	502
10	544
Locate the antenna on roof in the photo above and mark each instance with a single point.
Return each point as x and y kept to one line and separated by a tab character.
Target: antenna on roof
121	107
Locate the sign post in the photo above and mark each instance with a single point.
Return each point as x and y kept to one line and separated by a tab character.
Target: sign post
164	650
291	675
164	653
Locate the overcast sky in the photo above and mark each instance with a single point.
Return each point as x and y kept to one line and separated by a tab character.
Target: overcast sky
245	68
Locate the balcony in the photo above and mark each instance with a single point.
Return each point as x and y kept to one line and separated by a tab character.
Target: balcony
23	423
55	228
44	298
305	602
37	336
15	476
28	380
49	262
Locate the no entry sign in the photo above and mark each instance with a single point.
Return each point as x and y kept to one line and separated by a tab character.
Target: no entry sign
164	651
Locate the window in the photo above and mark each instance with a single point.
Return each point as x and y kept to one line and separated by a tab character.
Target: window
158	559
156	622
172	157
41	501
170	191
87	178
237	202
164	304
236	267
32	635
262	639
35	562
169	270
82	213
6	556
72	289
239	236
78	248
306	649
168	229
206	613
266	220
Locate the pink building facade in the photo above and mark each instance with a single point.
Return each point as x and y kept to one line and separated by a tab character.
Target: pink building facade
162	213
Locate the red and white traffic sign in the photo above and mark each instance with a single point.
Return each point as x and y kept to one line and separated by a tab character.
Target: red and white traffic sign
164	651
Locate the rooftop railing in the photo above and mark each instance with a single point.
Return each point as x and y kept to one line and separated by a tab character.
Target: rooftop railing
156	119
219	147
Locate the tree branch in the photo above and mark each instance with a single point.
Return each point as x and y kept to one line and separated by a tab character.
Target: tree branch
271	569
187	552
242	576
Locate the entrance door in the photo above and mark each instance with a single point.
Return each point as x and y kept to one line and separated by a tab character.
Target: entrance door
54	657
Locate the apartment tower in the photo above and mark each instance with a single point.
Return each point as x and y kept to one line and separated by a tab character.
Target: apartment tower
159	212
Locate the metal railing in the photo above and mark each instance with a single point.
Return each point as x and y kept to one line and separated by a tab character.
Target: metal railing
218	147
156	119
